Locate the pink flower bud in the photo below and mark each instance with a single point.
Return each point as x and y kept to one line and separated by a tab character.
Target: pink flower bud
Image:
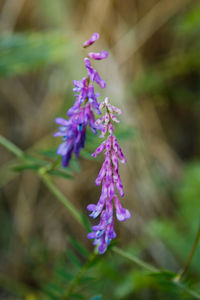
99	149
107	118
113	118
110	128
103	131
98	56
91	40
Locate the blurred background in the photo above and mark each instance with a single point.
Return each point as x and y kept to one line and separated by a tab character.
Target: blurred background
152	74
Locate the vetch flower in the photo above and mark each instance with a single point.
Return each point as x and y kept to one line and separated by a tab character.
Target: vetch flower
81	114
110	180
91	40
93	74
99	55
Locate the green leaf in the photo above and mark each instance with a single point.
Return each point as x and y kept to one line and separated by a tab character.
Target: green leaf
164	274
53	290
63	274
74	259
79	247
20	168
60	174
49	153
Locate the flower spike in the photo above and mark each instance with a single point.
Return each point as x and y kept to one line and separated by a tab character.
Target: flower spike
110	179
73	133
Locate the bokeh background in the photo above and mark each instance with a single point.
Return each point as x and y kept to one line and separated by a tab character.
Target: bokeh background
153	74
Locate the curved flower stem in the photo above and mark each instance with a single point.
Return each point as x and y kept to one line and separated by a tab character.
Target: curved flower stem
187	290
190	256
135	260
11	147
47	180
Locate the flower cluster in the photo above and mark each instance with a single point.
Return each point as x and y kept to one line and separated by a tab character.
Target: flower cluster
73	130
73	133
110	179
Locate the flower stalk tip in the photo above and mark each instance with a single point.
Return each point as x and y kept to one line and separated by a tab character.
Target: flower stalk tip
91	40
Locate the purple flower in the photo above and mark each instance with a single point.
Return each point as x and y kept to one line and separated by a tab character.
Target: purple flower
92	98
121	213
81	114
91	40
98	56
73	133
99	149
104	232
93	74
110	179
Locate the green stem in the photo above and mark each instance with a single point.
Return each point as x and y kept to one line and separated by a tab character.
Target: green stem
11	147
187	290
152	269
42	172
46	179
135	260
190	256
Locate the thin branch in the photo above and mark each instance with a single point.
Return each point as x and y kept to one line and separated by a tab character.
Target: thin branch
71	208
153	269
188	290
135	260
11	147
190	256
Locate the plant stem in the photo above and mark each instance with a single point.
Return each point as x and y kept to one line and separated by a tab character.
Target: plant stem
187	290
135	259
46	179
42	172
153	269
190	256
11	147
